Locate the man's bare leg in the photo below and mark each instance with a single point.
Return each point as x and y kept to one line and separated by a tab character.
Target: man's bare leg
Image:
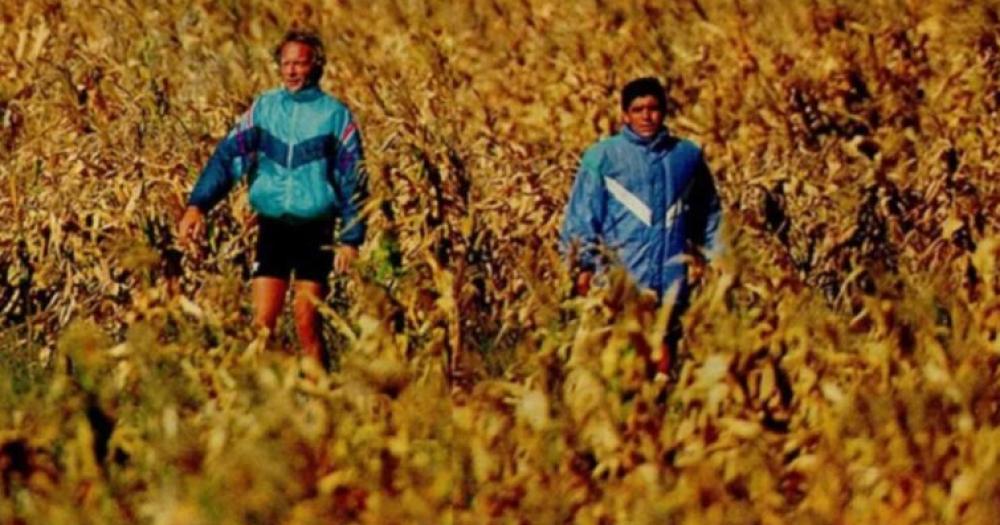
268	299
307	325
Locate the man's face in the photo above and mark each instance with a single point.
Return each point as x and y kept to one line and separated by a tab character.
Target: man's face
645	116
296	65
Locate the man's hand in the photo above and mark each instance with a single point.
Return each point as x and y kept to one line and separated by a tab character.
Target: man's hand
343	257
192	225
583	282
662	360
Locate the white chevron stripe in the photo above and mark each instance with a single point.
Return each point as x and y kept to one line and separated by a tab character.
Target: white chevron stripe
674	211
630	201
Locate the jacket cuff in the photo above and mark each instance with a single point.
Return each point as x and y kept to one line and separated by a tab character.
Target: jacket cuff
202	206
354	236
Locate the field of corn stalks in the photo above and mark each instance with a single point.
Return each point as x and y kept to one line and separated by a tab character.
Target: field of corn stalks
840	361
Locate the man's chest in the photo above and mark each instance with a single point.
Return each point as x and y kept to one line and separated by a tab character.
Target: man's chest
296	122
293	135
654	179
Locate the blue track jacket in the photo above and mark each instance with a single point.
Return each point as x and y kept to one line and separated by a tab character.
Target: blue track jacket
303	153
645	200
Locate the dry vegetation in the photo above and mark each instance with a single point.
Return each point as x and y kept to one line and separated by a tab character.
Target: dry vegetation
842	360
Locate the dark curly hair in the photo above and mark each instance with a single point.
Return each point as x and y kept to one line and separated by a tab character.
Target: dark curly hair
642	87
311	39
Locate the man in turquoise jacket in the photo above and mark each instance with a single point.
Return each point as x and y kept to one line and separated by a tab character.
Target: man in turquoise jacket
301	150
645	198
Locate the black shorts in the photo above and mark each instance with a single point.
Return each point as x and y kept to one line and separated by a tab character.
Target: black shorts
304	248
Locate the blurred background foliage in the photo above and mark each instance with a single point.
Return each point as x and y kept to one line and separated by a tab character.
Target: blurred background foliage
840	360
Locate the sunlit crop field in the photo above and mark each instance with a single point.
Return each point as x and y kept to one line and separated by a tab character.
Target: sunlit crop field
840	361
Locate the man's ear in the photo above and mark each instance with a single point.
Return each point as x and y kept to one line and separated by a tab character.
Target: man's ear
623	116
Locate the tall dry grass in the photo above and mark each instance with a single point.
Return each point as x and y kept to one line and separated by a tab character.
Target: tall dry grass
841	360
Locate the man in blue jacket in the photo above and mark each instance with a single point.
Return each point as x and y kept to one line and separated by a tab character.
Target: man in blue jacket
301	150
645	198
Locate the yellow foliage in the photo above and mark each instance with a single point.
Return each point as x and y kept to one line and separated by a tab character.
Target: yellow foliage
839	363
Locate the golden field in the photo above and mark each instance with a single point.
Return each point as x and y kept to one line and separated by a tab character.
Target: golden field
840	361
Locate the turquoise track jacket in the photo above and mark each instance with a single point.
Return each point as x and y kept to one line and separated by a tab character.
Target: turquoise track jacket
302	153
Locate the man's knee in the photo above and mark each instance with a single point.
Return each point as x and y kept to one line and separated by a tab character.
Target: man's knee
268	300
266	316
306	316
264	322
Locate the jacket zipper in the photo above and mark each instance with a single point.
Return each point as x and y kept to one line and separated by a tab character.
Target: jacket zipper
291	147
288	160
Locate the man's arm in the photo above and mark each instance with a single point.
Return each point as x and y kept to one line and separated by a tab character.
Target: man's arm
352	185
705	231
218	175
584	220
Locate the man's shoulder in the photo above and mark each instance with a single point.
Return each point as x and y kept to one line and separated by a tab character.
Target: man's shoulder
324	99
598	151
268	95
688	145
332	103
266	101
609	151
687	149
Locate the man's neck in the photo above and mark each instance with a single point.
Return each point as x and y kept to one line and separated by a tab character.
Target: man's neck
645	141
306	92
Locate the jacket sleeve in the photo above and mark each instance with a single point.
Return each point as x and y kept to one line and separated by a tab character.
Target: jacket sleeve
225	165
585	212
705	231
351	183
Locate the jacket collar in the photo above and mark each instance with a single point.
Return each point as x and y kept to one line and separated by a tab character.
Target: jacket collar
658	141
306	94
